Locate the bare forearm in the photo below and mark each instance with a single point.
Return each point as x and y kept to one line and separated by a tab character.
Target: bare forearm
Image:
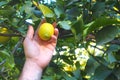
31	71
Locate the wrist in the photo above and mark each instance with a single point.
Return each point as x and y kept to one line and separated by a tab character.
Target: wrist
34	64
31	71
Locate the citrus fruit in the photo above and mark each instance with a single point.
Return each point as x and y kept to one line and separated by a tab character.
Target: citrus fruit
45	31
4	39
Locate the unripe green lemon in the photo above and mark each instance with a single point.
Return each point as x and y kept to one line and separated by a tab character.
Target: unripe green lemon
4	39
45	31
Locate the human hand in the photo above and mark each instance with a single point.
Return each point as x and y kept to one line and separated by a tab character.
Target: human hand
38	54
37	50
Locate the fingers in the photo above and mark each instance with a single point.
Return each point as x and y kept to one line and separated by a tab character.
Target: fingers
54	24
43	21
55	36
30	32
56	32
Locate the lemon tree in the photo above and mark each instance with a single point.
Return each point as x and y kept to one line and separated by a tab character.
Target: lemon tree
88	45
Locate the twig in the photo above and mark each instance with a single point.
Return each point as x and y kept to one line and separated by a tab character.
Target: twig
17	45
3	25
3	62
65	36
115	42
97	48
116	11
95	58
11	35
91	38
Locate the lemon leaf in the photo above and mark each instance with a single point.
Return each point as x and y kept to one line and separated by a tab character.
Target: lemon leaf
3	3
108	34
64	24
47	12
77	28
99	22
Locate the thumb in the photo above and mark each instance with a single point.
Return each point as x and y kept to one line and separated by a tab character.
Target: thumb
30	32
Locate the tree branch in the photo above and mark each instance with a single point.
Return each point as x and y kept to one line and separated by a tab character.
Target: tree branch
115	42
97	48
3	62
94	58
17	45
11	35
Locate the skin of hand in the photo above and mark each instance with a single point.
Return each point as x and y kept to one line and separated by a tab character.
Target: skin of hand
37	52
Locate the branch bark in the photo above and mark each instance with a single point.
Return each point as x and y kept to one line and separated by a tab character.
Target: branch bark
1	63
17	45
11	35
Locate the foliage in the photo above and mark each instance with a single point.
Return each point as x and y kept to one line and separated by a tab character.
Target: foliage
89	38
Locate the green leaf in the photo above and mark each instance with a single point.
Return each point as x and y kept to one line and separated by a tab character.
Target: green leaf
73	12
28	7
72	2
98	9
65	25
117	73
47	12
99	22
9	58
58	11
112	77
7	11
77	74
101	73
69	77
112	48
3	3
102	60
4	53
106	34
111	57
77	28
91	66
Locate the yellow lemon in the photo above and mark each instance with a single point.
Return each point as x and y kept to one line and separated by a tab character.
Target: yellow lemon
45	31
4	39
